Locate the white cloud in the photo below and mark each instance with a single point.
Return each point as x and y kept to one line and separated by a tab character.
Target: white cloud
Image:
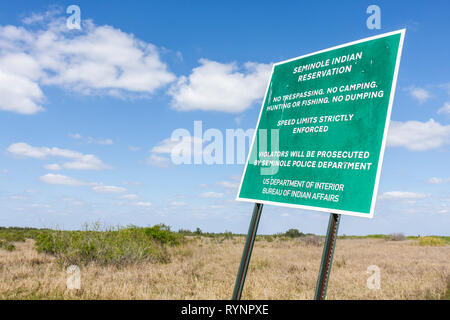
437	180
79	161
61	180
133	148
75	135
53	166
211	194
178	204
419	94
418	136
446	86
228	184
100	141
129	197
19	93
215	86
95	60
186	144
402	195
158	161
18	197
445	108
143	204
41	17
108	189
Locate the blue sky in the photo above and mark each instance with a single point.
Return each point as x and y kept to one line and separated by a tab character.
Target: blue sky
82	142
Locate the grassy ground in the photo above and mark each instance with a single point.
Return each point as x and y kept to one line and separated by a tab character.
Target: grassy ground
205	268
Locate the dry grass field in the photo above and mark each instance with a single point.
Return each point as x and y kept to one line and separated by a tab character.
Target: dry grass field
205	268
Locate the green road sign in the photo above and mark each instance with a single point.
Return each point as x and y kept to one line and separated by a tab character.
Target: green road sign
322	129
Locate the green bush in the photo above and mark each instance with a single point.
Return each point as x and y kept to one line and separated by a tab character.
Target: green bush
431	241
16	234
117	247
293	233
228	235
7	246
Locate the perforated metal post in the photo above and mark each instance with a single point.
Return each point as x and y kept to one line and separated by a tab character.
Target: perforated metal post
247	253
327	257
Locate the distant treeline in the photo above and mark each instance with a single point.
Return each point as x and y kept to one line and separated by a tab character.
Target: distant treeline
291	233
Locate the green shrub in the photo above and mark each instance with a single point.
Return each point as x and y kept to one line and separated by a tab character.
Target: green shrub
293	233
431	241
162	234
7	246
377	236
117	247
16	234
228	235
12	235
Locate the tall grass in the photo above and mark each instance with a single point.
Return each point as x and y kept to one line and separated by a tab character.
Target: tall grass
114	246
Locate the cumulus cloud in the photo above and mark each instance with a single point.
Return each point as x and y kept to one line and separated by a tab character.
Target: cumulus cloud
215	86
211	195
420	94
162	153
100	141
158	161
446	86
94	60
108	189
178	204
437	180
228	184
131	196
143	204
19	90
51	178
402	195
60	179
79	161
445	109
75	135
417	135
53	166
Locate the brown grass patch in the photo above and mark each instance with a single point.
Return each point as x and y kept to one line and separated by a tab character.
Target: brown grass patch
279	270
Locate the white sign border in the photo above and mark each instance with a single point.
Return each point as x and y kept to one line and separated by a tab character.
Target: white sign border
383	145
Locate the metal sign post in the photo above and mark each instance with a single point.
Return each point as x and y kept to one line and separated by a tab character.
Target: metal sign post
327	257
247	253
